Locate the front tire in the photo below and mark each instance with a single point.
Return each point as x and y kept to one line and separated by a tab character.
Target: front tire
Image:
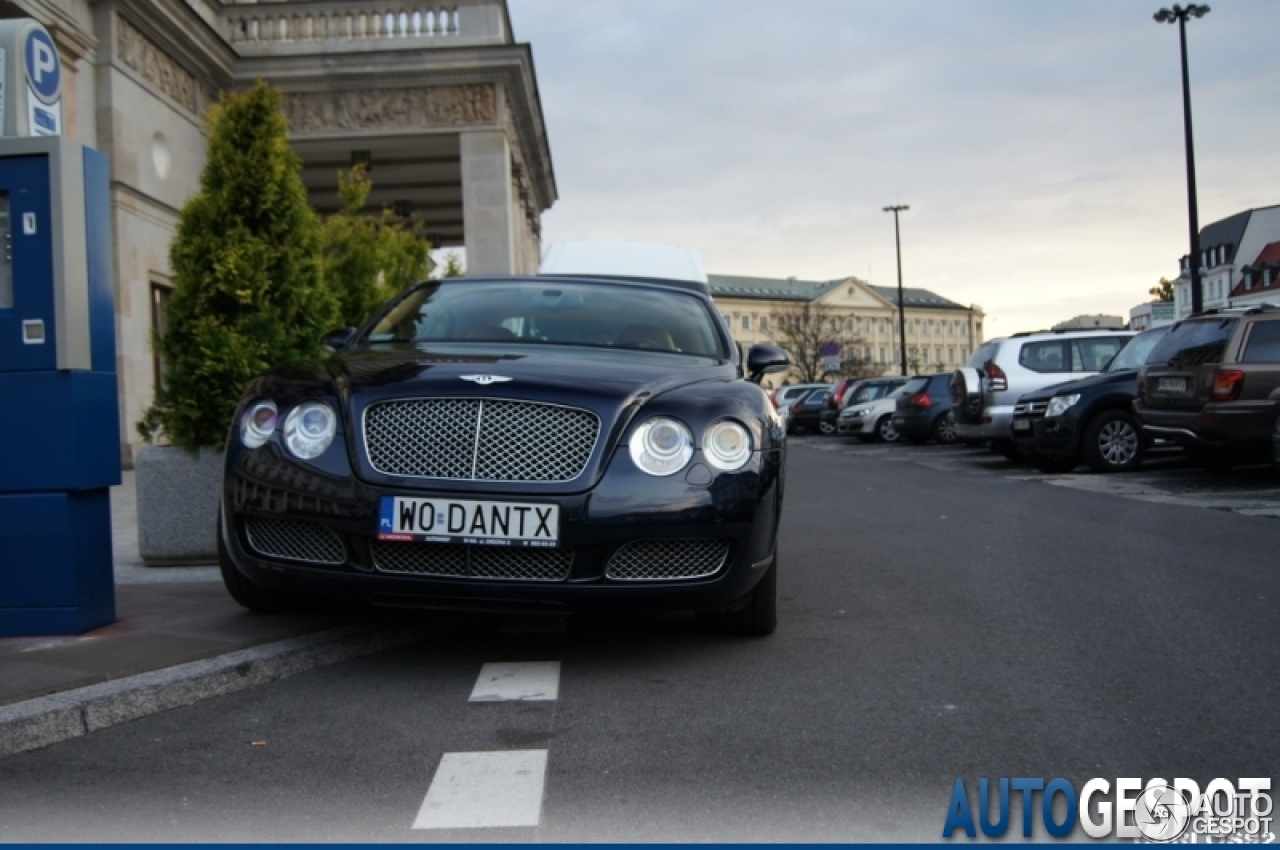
263	600
827	428
1113	442
886	431
758	618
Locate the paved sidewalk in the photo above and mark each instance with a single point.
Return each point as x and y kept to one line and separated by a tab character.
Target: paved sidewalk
178	637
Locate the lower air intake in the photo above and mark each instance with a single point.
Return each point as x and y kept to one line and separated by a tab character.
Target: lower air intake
291	540
666	560
458	561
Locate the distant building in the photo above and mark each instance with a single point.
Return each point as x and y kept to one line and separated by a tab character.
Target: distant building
1095	321
1153	314
1260	279
940	331
1227	247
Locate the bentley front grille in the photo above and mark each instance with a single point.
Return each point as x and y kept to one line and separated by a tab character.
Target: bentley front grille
665	560
292	540
479	439
450	560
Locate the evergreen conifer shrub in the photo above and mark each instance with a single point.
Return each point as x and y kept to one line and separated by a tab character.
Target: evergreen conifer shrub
248	292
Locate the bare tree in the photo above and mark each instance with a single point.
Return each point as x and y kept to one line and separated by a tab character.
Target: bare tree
811	332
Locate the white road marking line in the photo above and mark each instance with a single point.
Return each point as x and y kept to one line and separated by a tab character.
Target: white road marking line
534	680
478	790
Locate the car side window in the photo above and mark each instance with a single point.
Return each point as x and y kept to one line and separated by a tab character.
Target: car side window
1043	356
1263	343
1090	355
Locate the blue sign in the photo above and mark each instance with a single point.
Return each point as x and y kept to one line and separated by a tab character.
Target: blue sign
44	70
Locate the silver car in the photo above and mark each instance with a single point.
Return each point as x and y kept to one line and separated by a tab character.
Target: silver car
869	415
985	390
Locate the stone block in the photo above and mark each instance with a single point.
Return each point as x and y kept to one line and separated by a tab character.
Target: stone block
178	505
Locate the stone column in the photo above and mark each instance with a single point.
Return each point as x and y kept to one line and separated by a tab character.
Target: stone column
489	230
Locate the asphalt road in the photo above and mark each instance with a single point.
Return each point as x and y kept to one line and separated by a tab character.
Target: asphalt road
942	615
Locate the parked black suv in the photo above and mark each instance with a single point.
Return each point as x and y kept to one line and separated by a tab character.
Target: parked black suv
1089	420
1213	385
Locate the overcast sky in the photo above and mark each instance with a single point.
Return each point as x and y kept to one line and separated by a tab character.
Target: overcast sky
1038	144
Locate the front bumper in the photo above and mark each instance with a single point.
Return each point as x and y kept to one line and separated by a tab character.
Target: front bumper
995	425
854	426
732	516
1056	437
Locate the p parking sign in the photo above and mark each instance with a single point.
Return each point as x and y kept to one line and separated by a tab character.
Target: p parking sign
33	76
44	70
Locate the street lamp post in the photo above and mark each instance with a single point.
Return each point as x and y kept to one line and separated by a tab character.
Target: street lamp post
1168	16
902	307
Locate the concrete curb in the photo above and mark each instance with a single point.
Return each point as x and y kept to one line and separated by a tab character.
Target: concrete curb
70	714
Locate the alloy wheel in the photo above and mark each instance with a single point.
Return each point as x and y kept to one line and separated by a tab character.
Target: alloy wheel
1118	442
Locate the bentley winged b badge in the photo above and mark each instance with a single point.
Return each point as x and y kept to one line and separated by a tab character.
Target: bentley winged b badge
485	380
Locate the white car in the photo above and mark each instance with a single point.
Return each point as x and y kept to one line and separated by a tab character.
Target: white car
871	420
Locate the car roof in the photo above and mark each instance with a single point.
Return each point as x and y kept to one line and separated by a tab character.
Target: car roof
612	280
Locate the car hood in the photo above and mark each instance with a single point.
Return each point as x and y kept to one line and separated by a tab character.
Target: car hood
1082	385
554	373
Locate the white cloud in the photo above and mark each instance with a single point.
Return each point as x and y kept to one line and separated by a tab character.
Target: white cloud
1039	145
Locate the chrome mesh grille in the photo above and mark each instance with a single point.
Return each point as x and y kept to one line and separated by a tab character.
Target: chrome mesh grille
663	560
459	561
295	541
479	439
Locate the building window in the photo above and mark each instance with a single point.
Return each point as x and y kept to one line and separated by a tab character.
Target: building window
764	324
746	323
882	355
160	295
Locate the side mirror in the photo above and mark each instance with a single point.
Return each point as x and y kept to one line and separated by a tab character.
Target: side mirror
335	341
763	359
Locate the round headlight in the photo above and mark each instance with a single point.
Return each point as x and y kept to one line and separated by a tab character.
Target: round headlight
661	446
258	423
727	445
309	429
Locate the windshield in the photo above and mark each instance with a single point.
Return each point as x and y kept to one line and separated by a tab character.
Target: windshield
535	312
983	353
912	386
1194	343
870	393
1134	355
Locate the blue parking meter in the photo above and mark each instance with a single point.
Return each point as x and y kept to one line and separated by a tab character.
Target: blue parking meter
59	423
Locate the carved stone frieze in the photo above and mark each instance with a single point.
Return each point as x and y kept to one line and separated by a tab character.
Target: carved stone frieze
154	65
391	109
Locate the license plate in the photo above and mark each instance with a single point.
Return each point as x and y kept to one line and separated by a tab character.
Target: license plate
1171	385
1021	425
899	421
466	521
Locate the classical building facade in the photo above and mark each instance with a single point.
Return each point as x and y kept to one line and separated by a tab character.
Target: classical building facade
438	99
939	331
1233	260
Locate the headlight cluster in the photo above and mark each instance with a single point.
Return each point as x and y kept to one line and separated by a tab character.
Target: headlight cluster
308	429
663	446
1059	404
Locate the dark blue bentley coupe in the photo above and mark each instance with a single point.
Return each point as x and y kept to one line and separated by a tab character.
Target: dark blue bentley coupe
525	444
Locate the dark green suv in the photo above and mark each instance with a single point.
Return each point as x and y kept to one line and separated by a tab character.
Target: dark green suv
1213	385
